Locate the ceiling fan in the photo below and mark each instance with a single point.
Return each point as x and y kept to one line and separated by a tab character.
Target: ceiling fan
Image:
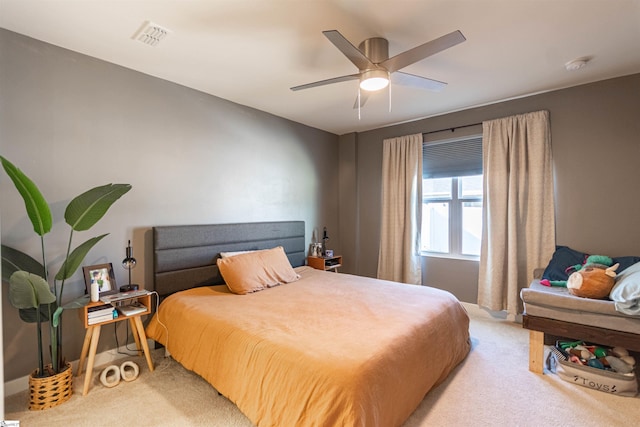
375	67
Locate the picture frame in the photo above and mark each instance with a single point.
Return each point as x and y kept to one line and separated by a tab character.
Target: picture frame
103	273
315	250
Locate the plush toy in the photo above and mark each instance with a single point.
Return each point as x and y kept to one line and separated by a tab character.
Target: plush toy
597	261
592	281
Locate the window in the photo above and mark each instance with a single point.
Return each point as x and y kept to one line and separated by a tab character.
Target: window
452	198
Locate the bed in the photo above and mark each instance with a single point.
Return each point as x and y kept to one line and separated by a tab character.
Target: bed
324	349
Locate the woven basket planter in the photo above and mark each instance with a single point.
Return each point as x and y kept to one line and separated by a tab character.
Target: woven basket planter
50	391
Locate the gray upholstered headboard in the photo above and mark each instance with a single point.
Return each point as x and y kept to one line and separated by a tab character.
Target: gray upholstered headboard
184	256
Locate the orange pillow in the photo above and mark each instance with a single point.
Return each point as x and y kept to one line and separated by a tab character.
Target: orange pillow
255	271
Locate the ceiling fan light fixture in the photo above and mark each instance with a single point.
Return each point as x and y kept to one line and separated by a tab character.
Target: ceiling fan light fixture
373	80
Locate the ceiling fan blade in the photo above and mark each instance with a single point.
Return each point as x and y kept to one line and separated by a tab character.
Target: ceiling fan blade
350	51
327	82
407	79
363	99
425	50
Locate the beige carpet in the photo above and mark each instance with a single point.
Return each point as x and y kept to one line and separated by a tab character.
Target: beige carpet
492	387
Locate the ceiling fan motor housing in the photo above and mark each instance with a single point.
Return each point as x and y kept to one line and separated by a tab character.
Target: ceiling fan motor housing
376	49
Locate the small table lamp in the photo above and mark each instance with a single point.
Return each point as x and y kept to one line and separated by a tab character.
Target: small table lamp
129	263
325	237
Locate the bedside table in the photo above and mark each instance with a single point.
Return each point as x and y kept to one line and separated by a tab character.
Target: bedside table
325	263
92	335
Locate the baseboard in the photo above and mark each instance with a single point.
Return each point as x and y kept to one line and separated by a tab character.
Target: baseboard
21	384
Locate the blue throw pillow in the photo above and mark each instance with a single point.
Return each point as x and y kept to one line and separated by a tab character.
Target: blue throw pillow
625	262
563	258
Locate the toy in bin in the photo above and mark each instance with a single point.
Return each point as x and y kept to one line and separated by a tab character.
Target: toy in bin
615	359
610	370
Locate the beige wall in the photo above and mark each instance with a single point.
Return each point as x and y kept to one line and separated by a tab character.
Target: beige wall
72	122
596	150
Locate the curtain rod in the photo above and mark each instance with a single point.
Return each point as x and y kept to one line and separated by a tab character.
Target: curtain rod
451	129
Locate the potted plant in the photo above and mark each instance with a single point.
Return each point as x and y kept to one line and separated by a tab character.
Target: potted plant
37	296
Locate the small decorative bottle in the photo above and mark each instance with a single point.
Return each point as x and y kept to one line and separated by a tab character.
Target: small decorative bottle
95	291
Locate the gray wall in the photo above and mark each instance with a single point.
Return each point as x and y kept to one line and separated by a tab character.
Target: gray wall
596	149
72	122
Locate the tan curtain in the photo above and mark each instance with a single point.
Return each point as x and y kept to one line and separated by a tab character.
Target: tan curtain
399	256
518	212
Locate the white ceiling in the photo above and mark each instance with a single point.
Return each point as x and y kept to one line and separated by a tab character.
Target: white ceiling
252	51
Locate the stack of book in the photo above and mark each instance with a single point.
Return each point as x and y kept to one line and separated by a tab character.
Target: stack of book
100	313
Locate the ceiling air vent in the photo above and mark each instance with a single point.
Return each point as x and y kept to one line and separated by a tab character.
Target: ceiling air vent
151	33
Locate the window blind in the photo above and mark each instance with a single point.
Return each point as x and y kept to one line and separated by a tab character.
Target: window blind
460	157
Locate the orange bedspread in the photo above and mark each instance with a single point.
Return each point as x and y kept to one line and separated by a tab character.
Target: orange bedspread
328	350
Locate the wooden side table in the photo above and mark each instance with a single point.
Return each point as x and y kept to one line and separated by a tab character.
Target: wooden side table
325	263
92	336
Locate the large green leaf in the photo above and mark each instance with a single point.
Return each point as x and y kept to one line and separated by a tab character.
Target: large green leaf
76	257
35	204
29	315
87	209
79	302
27	290
13	260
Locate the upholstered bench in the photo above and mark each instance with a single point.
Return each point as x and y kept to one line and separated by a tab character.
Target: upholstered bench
551	312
